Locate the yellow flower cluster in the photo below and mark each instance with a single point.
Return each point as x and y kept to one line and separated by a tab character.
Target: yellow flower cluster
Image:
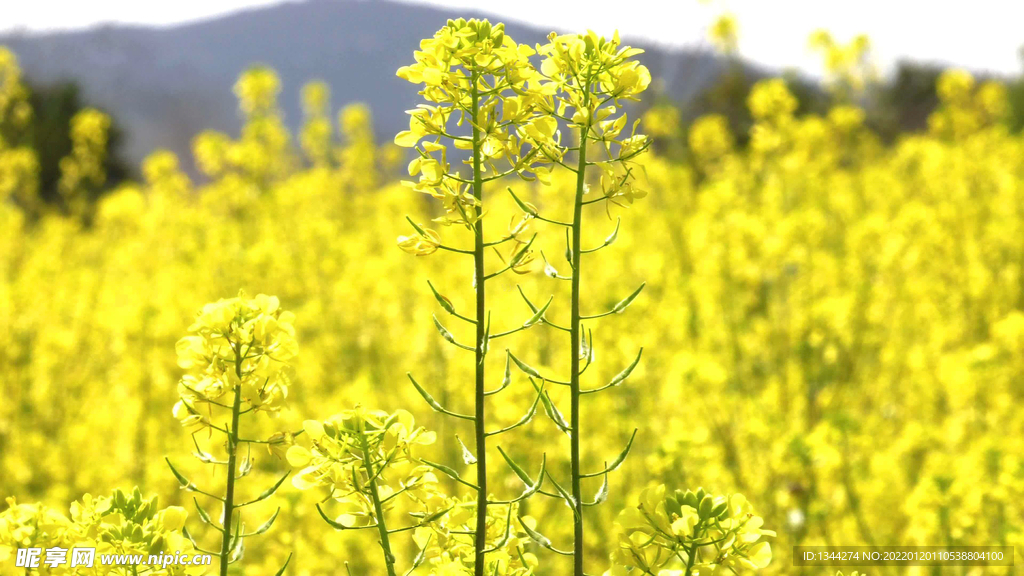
118	524
262	153
82	172
965	108
724	33
591	76
698	532
365	460
474	74
238	343
448	541
471	65
848	66
353	448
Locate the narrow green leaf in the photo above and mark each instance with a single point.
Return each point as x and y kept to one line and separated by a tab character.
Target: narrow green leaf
615	233
522	205
523	475
338	525
205	457
506	380
541	540
268	492
538	314
531	490
186	484
523	294
629	370
531	486
433	403
621	306
467	456
238	551
244	469
202	513
522	421
552	272
444	302
188	535
521	253
287	560
416	227
602	492
266	525
526	368
504	540
195	545
569	500
553	413
485	344
444	331
236	536
436	515
418	560
618	460
332	523
450	473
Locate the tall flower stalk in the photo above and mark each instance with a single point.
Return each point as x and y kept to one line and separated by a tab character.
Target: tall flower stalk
473	72
588	77
234	356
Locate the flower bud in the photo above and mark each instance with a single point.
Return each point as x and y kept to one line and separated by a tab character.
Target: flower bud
673	507
719	509
705	506
690	499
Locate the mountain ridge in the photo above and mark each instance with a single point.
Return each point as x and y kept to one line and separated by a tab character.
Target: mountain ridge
166	84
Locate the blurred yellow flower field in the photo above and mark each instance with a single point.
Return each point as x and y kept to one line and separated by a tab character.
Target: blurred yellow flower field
830	327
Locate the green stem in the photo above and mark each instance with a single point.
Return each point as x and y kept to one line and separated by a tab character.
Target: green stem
378	507
693	550
480	543
229	494
574	336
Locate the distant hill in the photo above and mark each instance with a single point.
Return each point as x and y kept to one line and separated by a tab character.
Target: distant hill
165	84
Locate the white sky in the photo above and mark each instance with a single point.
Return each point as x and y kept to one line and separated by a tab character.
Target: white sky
982	35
